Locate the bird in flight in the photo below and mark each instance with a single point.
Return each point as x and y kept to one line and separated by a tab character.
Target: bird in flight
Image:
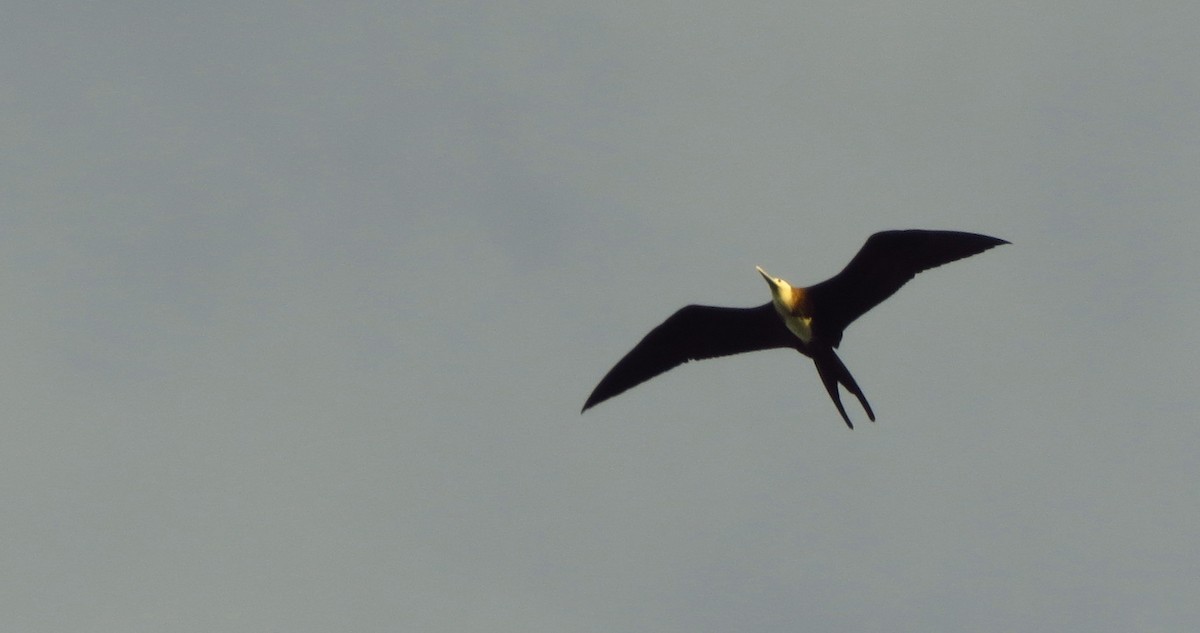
809	320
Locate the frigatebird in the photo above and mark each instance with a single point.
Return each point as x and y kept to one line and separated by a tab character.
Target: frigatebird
809	320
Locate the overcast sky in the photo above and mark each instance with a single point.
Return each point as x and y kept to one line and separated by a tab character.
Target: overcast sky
301	301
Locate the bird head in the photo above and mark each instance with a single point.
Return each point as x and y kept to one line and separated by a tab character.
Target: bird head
782	293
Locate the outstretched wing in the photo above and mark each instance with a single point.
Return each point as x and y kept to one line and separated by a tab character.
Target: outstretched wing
885	263
694	333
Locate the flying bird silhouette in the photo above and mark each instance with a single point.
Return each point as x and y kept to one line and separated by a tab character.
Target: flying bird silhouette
809	320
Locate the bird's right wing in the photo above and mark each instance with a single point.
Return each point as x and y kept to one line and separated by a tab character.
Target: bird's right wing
694	332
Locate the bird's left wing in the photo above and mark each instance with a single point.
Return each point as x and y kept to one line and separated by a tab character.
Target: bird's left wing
694	332
886	262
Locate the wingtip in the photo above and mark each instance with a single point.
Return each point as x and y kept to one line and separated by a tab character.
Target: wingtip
590	402
991	240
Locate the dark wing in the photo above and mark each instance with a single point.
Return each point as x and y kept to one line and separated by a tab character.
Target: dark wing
885	263
694	333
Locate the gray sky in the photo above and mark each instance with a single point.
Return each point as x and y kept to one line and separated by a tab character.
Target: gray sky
301	302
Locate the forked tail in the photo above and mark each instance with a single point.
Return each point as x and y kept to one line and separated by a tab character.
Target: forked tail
832	371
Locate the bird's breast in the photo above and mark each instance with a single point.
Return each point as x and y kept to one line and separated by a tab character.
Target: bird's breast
800	326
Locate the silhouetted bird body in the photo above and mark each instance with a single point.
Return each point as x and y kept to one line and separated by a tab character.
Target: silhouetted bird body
810	320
